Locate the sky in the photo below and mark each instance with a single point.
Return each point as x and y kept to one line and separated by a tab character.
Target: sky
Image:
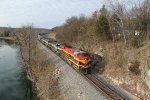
44	13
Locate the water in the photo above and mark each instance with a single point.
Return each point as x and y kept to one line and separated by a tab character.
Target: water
13	84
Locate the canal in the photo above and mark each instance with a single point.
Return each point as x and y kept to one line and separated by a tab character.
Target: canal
13	83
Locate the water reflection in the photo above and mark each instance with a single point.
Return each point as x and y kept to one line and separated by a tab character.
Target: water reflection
13	83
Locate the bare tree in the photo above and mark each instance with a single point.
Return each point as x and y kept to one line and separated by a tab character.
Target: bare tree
120	10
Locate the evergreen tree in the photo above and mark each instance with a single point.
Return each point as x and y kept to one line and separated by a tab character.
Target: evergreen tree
102	27
104	11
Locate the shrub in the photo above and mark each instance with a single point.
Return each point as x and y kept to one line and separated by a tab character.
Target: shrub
102	28
134	42
134	67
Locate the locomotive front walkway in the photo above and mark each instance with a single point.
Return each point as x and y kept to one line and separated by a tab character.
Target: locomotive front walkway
72	85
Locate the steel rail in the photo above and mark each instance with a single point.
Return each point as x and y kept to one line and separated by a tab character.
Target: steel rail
104	88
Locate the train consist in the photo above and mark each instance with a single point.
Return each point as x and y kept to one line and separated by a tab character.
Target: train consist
77	58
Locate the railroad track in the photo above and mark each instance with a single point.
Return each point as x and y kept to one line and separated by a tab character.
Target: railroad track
100	85
104	88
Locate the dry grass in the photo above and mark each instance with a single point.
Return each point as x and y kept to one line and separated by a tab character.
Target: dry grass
125	66
38	66
46	83
134	67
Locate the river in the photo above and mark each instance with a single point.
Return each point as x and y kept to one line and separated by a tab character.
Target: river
13	84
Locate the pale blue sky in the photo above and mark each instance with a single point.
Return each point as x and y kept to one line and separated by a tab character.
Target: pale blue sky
44	13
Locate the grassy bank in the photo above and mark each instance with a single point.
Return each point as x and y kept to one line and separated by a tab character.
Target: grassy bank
44	81
37	65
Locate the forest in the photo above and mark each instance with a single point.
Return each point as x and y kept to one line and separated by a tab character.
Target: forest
120	33
127	22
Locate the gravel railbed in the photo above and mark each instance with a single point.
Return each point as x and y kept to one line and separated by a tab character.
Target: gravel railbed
72	85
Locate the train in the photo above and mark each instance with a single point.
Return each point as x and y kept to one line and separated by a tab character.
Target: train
77	58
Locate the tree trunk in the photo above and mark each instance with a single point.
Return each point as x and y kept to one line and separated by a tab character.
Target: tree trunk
124	35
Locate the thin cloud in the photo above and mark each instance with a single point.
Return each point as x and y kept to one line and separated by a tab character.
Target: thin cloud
44	13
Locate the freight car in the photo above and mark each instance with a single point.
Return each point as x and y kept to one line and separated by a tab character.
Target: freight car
45	41
54	46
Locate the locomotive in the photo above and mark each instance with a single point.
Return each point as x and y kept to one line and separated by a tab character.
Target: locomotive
77	58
